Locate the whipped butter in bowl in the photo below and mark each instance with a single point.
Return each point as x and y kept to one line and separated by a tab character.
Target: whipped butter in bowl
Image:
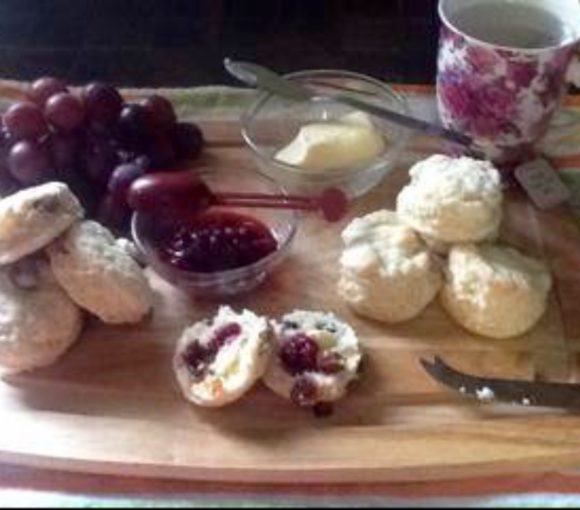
348	142
313	145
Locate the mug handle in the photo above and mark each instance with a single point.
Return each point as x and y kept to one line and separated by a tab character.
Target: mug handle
573	73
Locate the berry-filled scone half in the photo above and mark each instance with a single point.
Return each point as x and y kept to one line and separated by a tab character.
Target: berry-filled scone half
316	357
100	275
217	361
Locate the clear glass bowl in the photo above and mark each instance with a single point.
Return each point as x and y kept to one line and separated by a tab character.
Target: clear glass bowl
283	224
272	122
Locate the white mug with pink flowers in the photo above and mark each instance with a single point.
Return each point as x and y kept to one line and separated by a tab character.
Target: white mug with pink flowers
502	70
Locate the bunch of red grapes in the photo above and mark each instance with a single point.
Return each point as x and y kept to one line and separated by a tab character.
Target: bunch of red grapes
94	142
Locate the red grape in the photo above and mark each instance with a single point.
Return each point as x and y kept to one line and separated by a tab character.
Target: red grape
83	189
161	111
161	153
8	184
29	162
44	87
122	178
65	149
25	120
103	103
144	162
126	156
187	139
114	214
135	126
6	142
100	159
64	111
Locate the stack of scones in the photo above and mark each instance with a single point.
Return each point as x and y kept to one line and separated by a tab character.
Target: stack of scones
442	240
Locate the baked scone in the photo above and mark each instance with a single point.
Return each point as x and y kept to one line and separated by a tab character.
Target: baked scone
130	248
386	271
99	275
38	321
32	218
316	357
217	361
495	291
452	200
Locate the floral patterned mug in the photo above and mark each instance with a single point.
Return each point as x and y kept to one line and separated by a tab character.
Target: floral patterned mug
502	70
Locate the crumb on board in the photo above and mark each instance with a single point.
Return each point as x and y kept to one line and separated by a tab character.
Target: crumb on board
485	394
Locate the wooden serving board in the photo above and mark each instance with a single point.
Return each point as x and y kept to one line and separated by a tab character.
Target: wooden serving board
111	405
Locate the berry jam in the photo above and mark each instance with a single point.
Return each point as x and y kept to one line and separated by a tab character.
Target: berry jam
299	354
304	392
198	357
225	335
331	363
217	241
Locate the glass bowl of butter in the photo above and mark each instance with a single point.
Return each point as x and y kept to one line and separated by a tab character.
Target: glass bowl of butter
317	144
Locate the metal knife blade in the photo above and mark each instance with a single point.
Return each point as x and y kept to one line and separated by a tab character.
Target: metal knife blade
261	77
512	391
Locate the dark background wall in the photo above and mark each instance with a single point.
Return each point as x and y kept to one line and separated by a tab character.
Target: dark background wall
182	42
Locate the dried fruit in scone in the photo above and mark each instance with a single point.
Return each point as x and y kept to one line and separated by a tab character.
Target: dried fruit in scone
316	357
217	361
452	200
32	218
38	321
386	271
495	291
99	275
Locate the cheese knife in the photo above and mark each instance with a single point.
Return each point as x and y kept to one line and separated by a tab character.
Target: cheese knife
511	391
261	77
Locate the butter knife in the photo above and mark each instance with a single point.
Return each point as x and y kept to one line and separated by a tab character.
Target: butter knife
261	77
511	391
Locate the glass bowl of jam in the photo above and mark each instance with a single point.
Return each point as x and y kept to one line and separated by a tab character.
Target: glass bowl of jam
220	251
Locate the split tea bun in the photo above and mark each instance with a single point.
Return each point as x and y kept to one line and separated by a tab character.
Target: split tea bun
218	360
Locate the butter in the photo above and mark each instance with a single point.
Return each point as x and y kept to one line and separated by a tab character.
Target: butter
324	339
349	141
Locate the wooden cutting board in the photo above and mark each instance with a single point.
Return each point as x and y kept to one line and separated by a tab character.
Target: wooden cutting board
111	405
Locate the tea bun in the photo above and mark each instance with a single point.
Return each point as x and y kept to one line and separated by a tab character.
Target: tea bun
452	200
386	271
99	274
38	321
495	291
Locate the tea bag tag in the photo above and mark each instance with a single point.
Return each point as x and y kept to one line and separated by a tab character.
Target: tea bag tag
542	184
